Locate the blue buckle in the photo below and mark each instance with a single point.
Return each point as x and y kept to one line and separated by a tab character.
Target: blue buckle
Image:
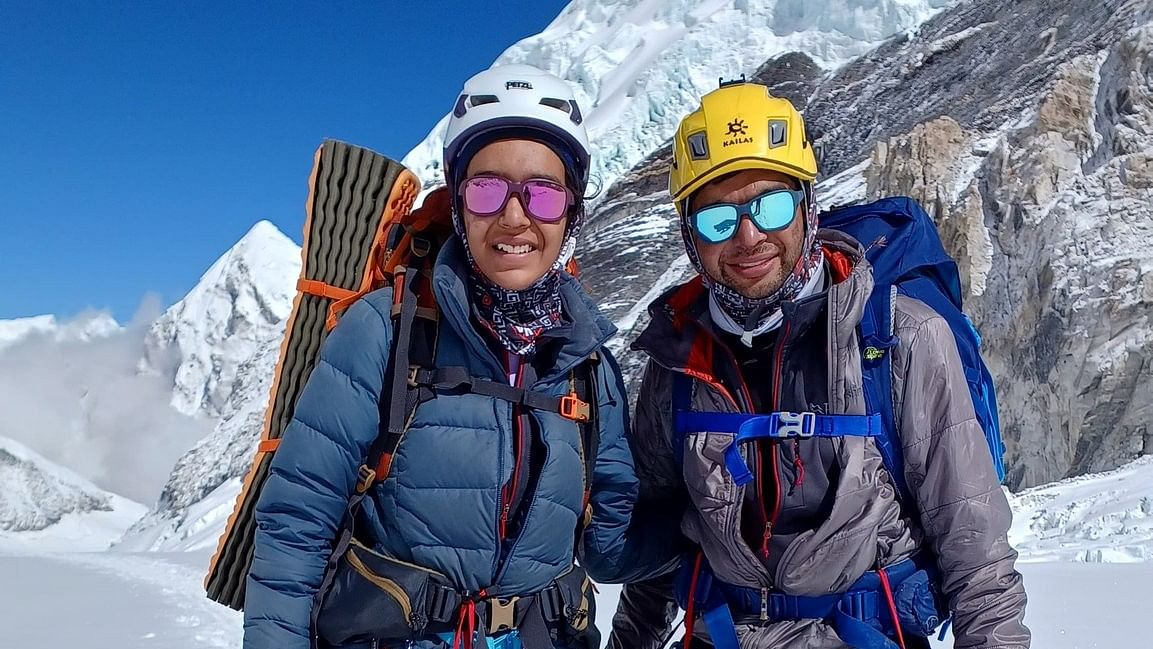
779	425
793	424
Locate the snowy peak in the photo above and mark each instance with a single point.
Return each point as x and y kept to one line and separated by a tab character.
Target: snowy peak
45	507
82	328
35	493
239	303
13	330
638	66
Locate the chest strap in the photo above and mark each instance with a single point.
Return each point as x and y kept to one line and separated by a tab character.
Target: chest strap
776	425
458	380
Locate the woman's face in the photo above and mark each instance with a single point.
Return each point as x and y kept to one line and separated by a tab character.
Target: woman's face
510	247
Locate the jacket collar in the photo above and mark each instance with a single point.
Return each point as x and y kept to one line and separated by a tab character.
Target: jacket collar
587	330
681	335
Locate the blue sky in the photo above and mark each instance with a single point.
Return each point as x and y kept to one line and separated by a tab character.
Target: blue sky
142	139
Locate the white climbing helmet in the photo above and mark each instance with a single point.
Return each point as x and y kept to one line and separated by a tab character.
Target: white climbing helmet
518	98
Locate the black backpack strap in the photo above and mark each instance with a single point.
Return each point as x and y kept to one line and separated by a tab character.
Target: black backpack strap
583	383
584	386
458	380
413	342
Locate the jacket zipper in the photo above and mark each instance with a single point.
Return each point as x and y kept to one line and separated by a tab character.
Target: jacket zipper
510	490
770	517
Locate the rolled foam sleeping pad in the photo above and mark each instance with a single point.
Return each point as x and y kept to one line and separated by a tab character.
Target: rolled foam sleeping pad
354	193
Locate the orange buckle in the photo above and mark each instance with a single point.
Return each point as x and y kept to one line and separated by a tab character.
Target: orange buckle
365	478
573	408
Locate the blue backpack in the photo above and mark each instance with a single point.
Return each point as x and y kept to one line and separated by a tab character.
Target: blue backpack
905	251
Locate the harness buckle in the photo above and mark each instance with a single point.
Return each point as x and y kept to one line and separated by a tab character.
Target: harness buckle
413	376
571	407
501	614
796	424
364	478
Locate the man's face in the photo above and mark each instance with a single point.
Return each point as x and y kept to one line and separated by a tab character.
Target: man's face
753	263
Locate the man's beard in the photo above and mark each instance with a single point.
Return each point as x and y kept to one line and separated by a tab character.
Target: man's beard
766	285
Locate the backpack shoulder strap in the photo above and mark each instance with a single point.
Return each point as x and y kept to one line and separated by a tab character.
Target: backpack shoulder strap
682	404
583	382
877	341
413	341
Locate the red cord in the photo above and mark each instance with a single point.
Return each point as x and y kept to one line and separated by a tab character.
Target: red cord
799	464
692	599
892	607
465	629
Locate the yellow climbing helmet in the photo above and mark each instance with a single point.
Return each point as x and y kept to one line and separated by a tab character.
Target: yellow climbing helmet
739	126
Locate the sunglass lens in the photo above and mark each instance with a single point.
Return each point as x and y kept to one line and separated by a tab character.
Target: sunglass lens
547	201
717	223
774	211
485	195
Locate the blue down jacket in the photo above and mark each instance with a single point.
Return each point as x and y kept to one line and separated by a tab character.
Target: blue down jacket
438	508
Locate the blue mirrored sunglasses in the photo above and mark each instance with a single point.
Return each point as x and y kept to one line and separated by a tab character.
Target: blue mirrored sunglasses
774	210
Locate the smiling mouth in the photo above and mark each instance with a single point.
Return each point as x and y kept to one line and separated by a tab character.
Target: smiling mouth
509	249
753	269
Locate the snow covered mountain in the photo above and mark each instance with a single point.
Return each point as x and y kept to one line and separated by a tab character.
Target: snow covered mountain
639	65
1026	128
196	502
239	304
82	328
43	505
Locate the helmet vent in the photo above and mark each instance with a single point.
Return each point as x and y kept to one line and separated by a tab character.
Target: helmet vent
553	102
698	146
481	100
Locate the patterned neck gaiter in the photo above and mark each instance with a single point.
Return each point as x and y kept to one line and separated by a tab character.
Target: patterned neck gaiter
752	313
518	318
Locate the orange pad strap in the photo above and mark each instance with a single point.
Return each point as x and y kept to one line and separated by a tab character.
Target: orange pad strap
320	289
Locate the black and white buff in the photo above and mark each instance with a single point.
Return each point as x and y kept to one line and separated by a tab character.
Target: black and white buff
518	318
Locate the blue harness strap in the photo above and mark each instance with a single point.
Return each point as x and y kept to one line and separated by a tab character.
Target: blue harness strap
860	616
777	425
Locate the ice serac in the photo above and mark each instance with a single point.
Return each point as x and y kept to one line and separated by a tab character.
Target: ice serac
639	65
239	304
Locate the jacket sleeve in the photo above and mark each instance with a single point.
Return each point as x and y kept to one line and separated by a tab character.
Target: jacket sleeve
963	510
311	478
634	532
646	610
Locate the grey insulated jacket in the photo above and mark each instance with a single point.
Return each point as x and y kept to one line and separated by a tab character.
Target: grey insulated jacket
822	511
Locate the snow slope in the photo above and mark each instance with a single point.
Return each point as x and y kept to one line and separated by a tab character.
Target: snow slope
639	65
45	506
111	601
1099	518
154	601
